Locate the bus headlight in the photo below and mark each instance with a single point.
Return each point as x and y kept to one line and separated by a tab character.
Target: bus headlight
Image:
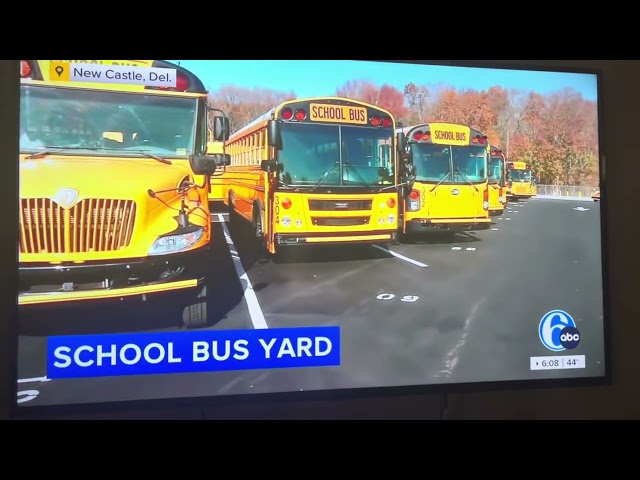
485	205
175	243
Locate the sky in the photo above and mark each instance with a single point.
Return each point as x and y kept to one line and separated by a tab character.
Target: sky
308	78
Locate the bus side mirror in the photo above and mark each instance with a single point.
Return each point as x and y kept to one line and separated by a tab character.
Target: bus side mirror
401	144
221	129
205	164
410	175
269	166
222	159
274	134
408	154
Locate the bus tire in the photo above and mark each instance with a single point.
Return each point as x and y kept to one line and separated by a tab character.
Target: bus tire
231	209
257	220
195	315
258	229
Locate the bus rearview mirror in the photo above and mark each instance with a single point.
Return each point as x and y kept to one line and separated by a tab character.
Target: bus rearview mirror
222	159
204	164
401	143
221	129
269	166
274	134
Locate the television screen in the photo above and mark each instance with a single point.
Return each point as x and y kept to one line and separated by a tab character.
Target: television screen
205	228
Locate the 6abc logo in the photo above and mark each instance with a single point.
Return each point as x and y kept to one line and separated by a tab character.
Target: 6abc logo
558	331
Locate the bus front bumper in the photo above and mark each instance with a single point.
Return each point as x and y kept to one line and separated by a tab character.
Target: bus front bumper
335	238
418	225
521	195
46	283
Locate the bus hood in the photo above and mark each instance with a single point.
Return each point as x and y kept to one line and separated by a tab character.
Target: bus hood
76	178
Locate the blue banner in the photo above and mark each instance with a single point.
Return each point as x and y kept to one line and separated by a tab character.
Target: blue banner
85	356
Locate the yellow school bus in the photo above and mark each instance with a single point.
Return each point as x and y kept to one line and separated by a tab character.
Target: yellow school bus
315	171
497	182
520	183
445	168
114	173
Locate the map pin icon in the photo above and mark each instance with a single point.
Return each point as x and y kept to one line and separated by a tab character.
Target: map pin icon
59	70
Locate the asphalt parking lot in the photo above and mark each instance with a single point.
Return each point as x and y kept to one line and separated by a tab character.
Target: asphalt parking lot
437	310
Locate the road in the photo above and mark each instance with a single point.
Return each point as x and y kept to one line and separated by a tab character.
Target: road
438	310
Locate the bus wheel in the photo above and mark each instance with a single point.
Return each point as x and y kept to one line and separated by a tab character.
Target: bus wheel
230	208
258	229
257	221
195	315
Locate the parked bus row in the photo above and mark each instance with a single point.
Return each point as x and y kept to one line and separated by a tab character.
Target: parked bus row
116	178
337	170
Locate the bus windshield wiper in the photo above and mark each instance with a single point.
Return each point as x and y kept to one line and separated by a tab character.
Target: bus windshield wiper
53	149
324	177
389	187
466	179
292	187
440	181
143	153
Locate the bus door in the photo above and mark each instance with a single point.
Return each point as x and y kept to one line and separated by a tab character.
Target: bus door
271	210
271	167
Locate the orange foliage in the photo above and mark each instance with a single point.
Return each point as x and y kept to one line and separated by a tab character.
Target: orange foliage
385	96
557	134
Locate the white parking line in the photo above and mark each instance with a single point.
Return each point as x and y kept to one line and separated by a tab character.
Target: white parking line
34	380
255	312
218	217
402	257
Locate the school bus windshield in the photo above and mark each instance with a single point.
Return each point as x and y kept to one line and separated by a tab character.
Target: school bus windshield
108	123
496	170
520	175
449	164
310	155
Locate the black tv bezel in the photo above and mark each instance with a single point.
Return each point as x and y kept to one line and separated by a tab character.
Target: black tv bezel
19	412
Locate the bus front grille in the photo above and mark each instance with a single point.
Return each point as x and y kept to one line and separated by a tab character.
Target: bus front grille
92	225
339	221
340	205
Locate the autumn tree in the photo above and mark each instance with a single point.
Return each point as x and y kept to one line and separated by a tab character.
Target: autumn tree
448	108
497	99
242	105
384	96
557	134
417	101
